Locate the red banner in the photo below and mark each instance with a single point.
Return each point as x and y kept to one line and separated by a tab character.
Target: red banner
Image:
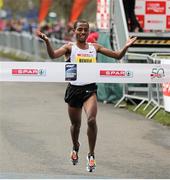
168	22
155	7
166	89
44	7
77	9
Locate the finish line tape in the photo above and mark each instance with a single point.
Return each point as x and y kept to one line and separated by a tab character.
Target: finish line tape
84	72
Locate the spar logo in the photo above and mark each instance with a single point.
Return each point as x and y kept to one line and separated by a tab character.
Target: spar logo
157	73
116	73
29	72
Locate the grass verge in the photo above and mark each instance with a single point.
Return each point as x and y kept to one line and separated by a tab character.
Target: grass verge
161	116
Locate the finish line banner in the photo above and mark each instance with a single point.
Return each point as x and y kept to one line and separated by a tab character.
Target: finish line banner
84	72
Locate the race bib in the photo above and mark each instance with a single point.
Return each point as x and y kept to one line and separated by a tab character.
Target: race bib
85	58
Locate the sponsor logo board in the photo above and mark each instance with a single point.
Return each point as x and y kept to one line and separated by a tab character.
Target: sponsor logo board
71	72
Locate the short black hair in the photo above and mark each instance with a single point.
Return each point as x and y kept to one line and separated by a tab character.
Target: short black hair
79	21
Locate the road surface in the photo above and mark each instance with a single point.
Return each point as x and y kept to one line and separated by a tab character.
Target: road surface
35	139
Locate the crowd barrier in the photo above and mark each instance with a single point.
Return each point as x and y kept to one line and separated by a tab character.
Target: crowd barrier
150	93
27	44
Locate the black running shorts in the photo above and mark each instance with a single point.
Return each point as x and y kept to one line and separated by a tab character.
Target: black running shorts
75	96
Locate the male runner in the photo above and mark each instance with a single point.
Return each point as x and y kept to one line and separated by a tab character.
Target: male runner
83	95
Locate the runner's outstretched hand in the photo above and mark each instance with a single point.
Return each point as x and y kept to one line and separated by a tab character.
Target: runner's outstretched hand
41	35
130	41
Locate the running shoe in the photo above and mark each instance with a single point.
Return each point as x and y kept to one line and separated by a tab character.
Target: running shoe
91	163
74	157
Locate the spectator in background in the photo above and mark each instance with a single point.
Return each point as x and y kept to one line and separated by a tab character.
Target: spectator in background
2	24
132	22
93	35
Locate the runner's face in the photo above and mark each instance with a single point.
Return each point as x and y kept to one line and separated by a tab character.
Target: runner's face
82	32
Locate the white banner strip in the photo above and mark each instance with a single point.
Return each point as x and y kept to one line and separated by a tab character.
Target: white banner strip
84	72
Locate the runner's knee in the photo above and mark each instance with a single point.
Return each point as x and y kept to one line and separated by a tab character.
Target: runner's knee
76	125
91	122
